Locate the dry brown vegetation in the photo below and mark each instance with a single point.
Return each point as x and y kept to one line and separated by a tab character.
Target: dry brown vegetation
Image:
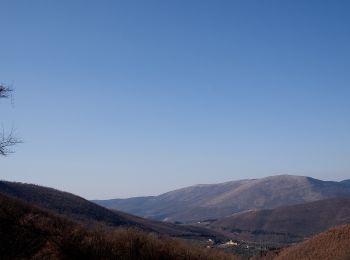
32	233
333	244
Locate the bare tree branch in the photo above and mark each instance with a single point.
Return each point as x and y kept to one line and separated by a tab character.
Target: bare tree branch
5	91
7	141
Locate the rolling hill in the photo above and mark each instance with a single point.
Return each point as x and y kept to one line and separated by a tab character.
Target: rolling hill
91	214
329	245
213	201
286	224
28	232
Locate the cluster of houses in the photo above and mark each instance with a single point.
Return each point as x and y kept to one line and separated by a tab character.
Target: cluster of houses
230	243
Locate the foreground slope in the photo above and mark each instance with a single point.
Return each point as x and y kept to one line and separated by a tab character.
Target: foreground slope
79	209
212	201
28	232
286	224
330	245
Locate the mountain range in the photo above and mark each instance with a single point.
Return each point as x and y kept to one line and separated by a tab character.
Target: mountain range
214	201
266	215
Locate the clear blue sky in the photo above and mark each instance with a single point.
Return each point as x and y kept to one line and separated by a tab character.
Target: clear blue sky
126	98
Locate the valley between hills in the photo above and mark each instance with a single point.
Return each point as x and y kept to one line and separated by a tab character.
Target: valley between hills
261	218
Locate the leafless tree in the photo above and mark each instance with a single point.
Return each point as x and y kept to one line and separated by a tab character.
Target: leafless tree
7	140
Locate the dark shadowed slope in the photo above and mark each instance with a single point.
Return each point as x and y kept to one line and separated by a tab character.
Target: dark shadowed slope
214	201
62	202
28	232
330	245
79	209
286	224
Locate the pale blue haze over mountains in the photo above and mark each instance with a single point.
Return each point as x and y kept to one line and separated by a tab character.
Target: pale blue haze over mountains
128	98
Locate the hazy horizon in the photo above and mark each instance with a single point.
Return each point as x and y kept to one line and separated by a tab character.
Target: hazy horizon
173	188
119	99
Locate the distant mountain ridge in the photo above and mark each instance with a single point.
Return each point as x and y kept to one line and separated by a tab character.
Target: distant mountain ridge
213	201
